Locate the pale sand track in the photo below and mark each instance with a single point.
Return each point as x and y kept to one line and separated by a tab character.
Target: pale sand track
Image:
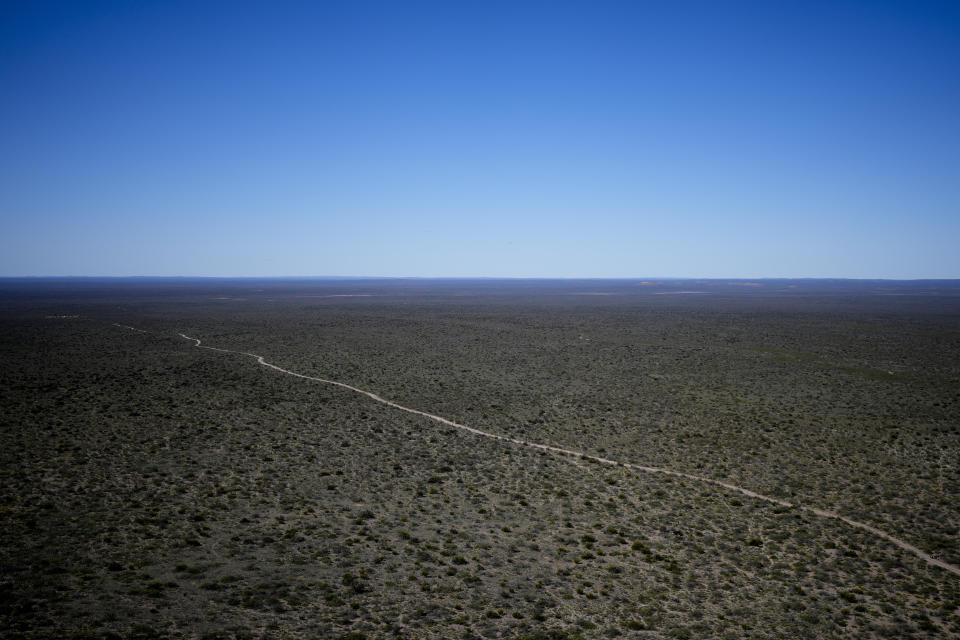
123	326
578	454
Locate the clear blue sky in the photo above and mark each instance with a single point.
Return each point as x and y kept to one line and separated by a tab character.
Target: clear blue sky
549	139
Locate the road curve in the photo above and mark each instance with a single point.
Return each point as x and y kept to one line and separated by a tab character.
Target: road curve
579	454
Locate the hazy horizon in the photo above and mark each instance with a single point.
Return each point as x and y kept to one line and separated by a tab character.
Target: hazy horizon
647	280
476	277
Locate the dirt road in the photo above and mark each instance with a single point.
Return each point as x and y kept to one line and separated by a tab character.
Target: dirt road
579	454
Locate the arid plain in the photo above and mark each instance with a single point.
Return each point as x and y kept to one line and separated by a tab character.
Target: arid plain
153	489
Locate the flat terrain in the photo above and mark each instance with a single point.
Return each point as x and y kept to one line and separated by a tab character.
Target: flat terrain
152	489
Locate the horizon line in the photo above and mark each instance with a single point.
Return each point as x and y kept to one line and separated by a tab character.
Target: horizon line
379	277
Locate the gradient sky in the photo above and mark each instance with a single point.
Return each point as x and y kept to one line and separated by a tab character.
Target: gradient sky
545	139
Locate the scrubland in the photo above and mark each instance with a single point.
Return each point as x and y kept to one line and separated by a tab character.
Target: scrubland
151	489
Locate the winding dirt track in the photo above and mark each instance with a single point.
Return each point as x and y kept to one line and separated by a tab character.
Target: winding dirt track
578	454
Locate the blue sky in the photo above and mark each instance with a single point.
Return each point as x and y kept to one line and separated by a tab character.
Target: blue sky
544	139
